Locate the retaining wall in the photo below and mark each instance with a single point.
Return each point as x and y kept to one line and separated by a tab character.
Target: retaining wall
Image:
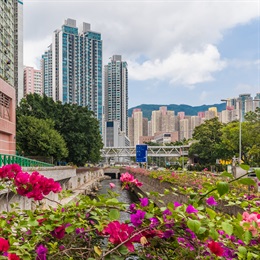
81	182
151	184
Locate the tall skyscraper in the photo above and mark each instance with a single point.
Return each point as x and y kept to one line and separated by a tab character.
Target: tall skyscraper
72	67
18	49
32	81
135	123
116	92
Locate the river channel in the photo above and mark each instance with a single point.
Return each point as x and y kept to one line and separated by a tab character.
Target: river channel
124	195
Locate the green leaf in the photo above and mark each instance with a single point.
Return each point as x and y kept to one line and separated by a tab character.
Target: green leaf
194	225
222	188
247	181
201	230
247	237
123	250
70	229
211	213
114	214
214	234
244	167
242	250
226	174
33	222
257	172
228	228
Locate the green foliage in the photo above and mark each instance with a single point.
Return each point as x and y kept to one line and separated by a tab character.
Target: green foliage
38	137
208	148
77	125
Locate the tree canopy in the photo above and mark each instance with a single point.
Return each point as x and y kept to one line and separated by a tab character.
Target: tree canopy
208	145
38	137
76	124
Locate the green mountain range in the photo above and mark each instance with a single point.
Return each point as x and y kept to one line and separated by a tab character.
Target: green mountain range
189	110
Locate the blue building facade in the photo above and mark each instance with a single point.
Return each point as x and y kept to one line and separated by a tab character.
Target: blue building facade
72	67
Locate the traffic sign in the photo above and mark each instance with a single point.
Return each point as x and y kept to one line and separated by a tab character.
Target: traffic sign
141	152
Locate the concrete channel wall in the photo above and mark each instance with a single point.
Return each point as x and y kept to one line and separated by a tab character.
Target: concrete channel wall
79	181
154	185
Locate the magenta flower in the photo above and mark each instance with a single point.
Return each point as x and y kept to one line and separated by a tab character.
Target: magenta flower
132	208
41	251
177	204
168	233
137	218
154	222
211	201
144	202
190	209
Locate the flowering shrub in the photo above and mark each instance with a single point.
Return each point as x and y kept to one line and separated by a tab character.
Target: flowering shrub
91	228
128	181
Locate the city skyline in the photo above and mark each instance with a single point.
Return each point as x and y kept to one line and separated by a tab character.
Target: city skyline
196	52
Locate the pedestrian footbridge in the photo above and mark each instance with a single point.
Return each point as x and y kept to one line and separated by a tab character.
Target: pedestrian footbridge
152	151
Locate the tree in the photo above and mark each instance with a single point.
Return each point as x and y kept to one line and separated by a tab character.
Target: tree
208	146
250	138
38	137
76	124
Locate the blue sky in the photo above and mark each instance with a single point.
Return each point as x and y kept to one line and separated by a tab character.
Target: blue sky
178	52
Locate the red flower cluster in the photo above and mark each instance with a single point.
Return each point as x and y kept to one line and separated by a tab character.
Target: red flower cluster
215	248
59	232
4	245
32	185
121	232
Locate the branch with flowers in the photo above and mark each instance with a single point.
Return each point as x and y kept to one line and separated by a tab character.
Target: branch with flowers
92	229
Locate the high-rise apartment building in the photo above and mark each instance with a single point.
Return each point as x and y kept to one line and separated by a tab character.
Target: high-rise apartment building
32	81
245	102
135	126
11	71
72	67
162	121
18	50
257	101
116	92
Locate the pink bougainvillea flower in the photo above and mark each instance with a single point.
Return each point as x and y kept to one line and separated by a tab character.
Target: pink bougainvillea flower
211	201
144	202
13	257
190	209
126	177
121	232
215	248
112	185
253	220
137	218
4	245
41	251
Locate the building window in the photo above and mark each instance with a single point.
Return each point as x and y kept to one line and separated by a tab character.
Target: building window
5	102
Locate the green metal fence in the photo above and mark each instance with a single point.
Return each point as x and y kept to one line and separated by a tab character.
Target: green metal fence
22	161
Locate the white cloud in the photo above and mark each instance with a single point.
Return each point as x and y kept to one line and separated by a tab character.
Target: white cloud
180	67
244	88
33	51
